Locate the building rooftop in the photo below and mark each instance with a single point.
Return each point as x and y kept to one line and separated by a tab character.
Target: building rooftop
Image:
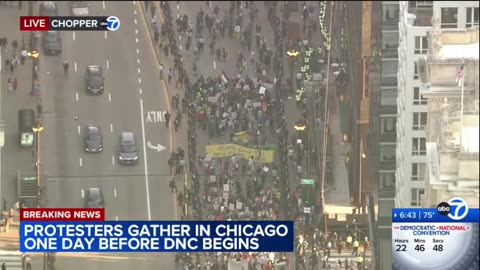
423	14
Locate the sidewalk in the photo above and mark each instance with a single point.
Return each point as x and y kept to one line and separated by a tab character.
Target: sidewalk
337	192
9	240
19	159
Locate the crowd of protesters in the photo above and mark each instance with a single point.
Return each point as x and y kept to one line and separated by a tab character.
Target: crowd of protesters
225	105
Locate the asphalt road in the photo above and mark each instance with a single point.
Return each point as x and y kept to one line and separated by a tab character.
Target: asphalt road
133	98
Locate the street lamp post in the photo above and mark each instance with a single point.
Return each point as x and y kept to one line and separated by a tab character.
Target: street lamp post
37	129
362	156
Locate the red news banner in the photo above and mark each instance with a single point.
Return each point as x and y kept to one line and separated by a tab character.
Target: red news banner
62	214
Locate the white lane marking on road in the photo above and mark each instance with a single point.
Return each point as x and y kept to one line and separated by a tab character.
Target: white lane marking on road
214	65
139	80
108	65
105	34
138	70
138	51
78	129
116	218
145	159
81	162
76	96
109	97
111	128
135	21
140	91
136	40
75	66
134	2
138	61
136	32
113	160
73	36
83	193
103	4
115	192
178	6
135	11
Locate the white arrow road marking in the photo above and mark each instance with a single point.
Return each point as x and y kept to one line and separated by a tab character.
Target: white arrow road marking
83	193
157	147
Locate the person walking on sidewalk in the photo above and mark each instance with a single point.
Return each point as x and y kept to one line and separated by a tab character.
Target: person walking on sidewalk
170	75
161	71
167	119
156	35
10	85
28	263
173	185
15	84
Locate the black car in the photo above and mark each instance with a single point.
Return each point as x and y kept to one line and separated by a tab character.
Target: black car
80	8
48	8
94	198
128	149
93	139
52	43
94	77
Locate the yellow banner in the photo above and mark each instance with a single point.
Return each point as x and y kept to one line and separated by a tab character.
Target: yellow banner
228	150
241	135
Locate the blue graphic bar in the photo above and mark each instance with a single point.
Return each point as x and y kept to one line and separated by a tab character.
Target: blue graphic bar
400	215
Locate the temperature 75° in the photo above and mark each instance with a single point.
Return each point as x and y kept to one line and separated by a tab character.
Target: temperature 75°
428	215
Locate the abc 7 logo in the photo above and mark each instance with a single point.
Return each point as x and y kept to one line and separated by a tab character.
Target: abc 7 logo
455	208
113	23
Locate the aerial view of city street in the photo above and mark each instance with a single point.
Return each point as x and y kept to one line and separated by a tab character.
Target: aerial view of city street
327	113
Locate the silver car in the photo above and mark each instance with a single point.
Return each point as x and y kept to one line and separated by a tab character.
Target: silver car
80	8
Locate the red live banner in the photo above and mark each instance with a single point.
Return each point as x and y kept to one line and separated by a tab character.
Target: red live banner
62	214
34	23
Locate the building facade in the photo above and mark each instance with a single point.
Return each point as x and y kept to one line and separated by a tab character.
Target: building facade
410	151
452	168
399	113
382	129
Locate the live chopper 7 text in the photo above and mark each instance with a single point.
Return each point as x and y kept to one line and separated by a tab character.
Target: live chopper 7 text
442	238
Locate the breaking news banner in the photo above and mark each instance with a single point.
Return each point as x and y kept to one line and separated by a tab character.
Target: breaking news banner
63	230
70	23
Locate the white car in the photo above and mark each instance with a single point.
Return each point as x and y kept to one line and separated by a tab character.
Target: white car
80	8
